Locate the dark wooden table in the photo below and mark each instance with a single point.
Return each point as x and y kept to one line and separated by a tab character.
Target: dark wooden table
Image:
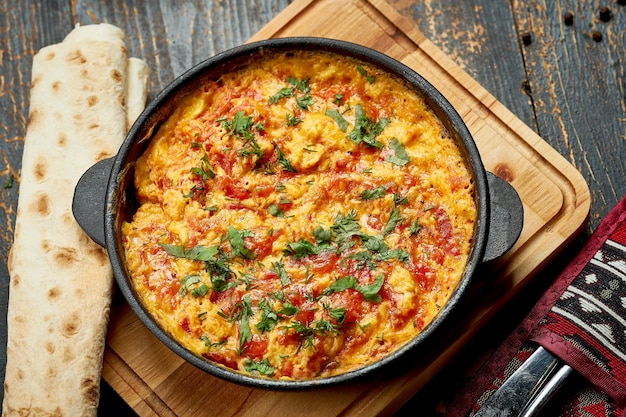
563	76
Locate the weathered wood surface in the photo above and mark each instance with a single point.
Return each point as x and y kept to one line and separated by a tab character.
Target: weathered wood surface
565	85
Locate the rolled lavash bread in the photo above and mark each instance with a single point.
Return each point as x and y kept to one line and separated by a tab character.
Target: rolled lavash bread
61	282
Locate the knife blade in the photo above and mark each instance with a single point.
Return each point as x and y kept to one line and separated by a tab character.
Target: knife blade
528	388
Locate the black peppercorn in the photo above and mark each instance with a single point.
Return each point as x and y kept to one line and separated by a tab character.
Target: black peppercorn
596	35
605	14
569	18
526	38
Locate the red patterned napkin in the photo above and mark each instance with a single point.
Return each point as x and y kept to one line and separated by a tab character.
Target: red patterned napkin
582	320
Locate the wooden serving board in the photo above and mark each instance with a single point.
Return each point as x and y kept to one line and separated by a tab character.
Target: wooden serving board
155	381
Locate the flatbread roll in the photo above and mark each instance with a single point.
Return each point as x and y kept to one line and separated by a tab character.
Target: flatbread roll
61	282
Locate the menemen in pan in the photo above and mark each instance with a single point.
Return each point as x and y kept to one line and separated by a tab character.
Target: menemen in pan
300	217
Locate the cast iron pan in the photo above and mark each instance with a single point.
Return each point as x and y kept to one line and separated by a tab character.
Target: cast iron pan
105	198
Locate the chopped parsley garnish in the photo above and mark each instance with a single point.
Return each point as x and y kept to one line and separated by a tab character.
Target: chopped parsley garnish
337	313
400	156
415	227
212	345
374	193
370	78
365	129
399	200
288	309
284	162
276	211
241	126
302	85
305	101
322	235
197	291
237	246
245	334
338	118
370	292
282	93
394	217
279	269
205	171
269	317
292	119
301	249
263	367
344	229
196	253
187	281
338	100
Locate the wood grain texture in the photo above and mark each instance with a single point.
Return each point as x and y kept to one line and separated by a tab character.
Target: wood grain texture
482	39
578	90
172	36
564	85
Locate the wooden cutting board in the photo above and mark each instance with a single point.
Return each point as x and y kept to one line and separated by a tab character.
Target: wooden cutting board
155	381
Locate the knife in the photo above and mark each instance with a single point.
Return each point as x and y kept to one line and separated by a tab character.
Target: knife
529	388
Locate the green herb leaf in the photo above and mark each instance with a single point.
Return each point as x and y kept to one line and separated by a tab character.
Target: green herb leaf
344	229
300	249
363	72
188	281
370	292
212	345
196	253
305	102
394	217
205	171
365	129
276	211
302	85
283	93
292	119
338	313
200	291
245	334
269	318
241	127
342	284
284	162
263	367
400	156
415	227
279	269
237	246
322	235
288	309
374	193
338	118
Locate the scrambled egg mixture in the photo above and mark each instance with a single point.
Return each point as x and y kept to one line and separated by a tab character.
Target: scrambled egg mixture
301	217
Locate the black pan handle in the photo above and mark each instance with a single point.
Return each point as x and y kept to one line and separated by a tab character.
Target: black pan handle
506	217
89	200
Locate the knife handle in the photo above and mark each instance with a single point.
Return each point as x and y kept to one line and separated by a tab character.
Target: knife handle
522	387
547	392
